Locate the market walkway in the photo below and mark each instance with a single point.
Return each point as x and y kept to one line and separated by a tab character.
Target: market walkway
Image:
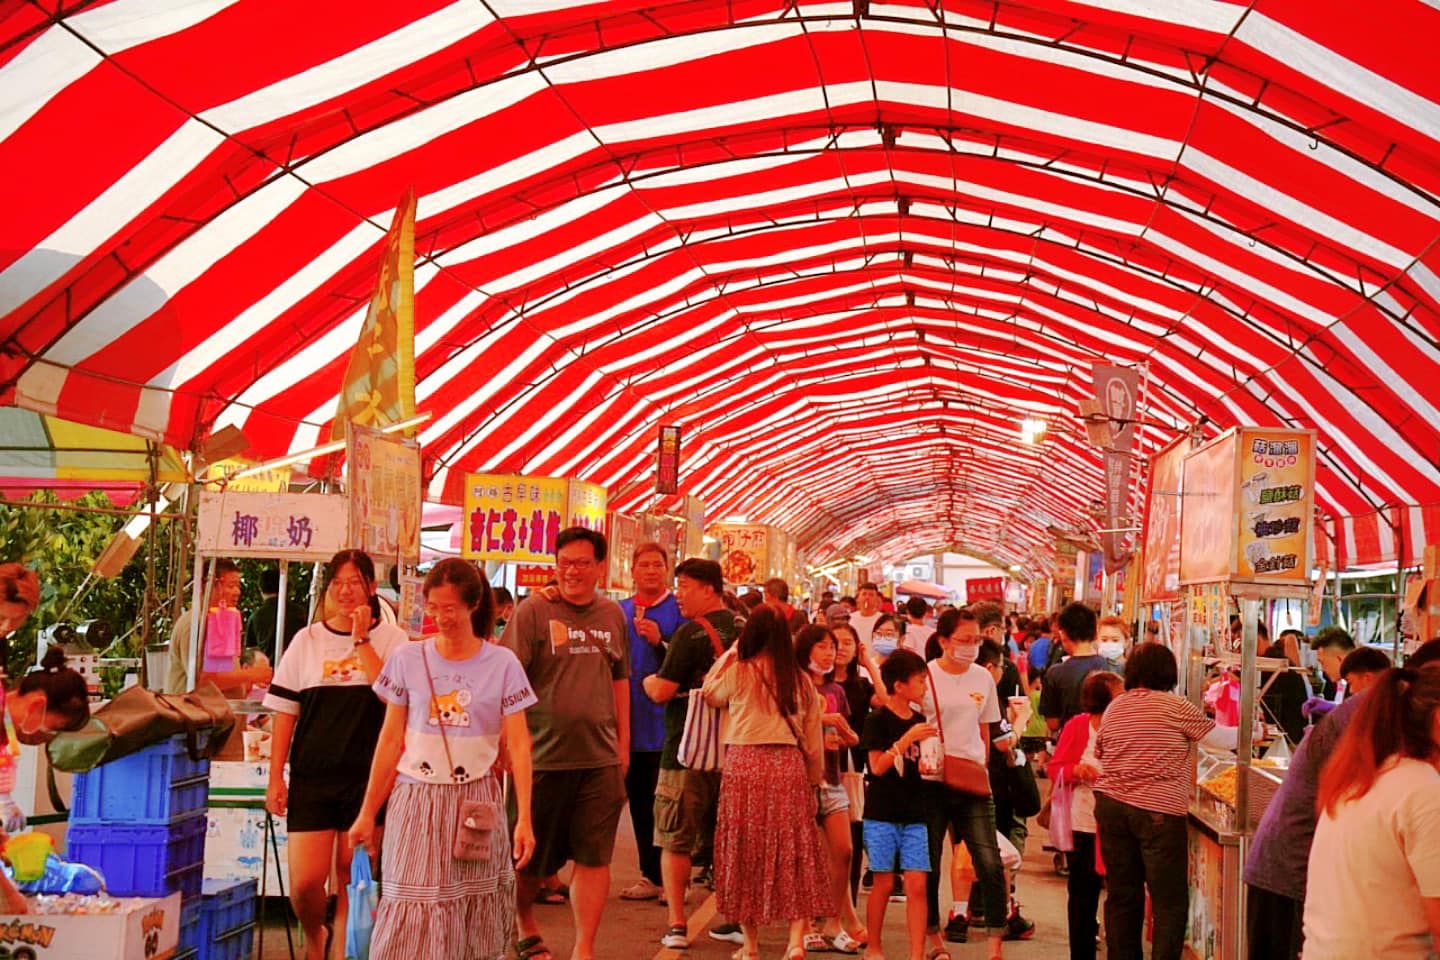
632	930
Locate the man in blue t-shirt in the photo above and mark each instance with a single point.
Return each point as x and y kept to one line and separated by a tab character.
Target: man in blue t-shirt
652	616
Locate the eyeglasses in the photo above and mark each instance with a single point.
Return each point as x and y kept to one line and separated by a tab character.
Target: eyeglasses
565	564
887	633
348	583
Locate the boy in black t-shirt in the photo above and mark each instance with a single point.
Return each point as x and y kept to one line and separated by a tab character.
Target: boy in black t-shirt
895	814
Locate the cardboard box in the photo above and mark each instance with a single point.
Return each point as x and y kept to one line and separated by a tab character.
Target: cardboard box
143	929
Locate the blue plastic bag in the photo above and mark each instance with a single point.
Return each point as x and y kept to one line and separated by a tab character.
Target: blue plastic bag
364	896
62	876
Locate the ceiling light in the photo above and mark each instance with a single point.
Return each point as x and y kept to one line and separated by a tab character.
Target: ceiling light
1031	430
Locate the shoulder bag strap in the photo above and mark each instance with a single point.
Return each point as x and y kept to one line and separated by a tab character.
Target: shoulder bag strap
434	702
709	628
939	721
789	718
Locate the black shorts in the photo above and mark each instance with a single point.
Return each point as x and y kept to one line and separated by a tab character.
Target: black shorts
575	814
326	804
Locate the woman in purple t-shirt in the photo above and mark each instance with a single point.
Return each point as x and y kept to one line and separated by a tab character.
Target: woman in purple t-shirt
449	700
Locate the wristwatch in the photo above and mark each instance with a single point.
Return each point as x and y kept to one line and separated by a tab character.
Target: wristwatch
359	640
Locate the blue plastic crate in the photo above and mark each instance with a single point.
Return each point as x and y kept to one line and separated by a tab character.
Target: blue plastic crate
187	953
142	860
237	944
228	905
191	913
160	784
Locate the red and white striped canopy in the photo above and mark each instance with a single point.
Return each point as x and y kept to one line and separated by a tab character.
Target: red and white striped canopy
847	247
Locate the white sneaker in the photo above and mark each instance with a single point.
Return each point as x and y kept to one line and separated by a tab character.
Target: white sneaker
641	889
675	939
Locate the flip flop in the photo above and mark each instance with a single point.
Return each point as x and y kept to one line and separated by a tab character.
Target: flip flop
532	948
553	895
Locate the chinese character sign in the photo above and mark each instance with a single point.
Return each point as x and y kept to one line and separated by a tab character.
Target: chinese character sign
984	588
667	474
383	479
1161	577
291	526
511	517
587	505
744	552
1275	502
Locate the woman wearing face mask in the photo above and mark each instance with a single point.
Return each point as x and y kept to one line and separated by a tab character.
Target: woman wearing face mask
856	671
1112	636
963	703
815	647
884	640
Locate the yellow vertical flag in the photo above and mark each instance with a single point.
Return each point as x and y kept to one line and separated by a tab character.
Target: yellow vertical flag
379	384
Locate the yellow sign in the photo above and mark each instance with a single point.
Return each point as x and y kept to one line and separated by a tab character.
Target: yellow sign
587	505
511	517
273	480
1275	502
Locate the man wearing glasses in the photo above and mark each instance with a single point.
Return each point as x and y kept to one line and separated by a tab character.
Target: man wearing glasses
574	646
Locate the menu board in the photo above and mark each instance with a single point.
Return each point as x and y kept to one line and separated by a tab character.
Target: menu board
510	517
1276	503
624	537
1249	498
744	552
1161	575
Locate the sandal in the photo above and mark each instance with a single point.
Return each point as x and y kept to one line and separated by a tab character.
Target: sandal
939	953
845	942
742	955
553	896
532	948
814	941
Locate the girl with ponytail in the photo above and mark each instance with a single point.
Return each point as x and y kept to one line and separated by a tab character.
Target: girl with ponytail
1374	876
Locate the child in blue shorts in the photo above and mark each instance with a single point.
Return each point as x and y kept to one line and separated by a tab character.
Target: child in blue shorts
894	827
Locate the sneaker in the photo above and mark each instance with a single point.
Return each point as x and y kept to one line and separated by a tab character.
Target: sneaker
728	932
897	897
1017	927
641	889
957	929
675	938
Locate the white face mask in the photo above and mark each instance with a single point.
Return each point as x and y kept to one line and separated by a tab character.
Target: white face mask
964	654
1111	649
818	670
884	646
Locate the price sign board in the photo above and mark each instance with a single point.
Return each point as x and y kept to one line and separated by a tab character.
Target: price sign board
511	517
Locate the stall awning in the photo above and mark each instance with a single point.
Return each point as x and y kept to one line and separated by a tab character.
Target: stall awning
38	452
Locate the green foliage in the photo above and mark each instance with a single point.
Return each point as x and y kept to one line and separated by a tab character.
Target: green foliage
62	545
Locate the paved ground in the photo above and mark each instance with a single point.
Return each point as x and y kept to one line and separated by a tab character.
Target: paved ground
631	931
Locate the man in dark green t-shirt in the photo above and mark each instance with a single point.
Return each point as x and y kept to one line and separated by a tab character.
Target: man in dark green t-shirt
685	800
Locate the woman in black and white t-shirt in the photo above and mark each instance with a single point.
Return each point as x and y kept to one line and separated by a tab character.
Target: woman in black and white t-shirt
327	720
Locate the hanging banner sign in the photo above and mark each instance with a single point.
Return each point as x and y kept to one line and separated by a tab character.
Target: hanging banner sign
694	527
1117	389
1117	514
283	526
272	480
511	517
667	473
984	588
1164	504
587	505
383	481
743	552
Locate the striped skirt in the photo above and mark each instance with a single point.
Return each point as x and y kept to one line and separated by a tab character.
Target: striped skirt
769	863
432	906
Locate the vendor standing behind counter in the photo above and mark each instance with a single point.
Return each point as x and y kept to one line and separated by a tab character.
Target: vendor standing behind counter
225	591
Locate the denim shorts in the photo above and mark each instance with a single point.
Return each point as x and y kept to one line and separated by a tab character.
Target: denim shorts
896	846
832	799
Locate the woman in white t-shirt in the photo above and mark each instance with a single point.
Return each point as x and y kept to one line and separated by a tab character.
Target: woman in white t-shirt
449	699
1374	879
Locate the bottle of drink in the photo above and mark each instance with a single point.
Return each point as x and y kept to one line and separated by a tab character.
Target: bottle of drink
932	755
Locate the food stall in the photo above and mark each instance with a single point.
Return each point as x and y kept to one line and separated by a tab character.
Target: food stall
1239	511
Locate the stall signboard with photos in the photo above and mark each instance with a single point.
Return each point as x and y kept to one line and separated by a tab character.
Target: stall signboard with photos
744	552
1247	519
513	518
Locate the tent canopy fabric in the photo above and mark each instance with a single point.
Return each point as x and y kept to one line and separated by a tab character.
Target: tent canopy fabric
47	453
846	247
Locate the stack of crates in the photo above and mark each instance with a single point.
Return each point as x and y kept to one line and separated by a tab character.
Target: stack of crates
227	920
140	821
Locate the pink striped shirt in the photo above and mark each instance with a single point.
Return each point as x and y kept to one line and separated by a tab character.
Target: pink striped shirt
1144	745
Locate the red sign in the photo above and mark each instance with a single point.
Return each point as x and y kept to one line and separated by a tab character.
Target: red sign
985	588
533	576
667	476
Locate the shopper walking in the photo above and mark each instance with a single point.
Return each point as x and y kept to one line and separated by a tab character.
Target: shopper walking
574	649
449	887
652	616
815	650
1077	747
322	698
1374	887
964	706
1143	784
686	801
769	864
858	674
